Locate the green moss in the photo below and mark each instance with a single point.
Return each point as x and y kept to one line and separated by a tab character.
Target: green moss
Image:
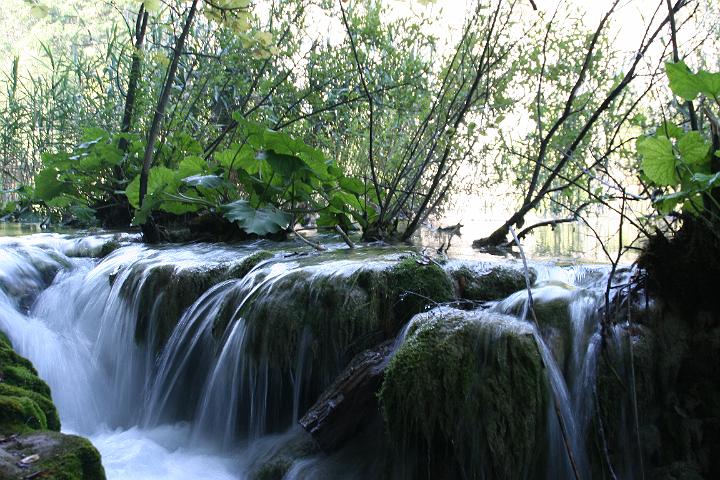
467	393
242	268
62	457
495	283
25	402
24	377
414	286
108	247
52	421
20	415
27	409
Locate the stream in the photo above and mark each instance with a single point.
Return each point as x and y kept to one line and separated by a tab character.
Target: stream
188	401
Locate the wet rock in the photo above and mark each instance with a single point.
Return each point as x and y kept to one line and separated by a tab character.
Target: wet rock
481	282
275	463
166	291
465	396
54	455
28	447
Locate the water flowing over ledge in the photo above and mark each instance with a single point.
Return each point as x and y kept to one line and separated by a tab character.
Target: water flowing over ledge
199	360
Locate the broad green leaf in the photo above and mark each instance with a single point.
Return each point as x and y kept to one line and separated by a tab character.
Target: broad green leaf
682	81
159	179
658	160
709	83
261	221
285	165
48	185
178	208
192	165
670	130
352	185
237	157
693	148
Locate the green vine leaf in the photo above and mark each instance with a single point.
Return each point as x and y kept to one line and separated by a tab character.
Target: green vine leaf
693	148
658	160
682	81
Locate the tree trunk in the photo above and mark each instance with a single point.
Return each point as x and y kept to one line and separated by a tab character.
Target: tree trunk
150	233
140	29
350	402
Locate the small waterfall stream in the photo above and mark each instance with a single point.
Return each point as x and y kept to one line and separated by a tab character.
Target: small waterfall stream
207	404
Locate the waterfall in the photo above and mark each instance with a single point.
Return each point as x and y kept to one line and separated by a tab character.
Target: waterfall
203	383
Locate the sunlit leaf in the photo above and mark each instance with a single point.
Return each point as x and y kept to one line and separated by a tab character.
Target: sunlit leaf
159	179
658	160
682	81
693	148
260	221
205	181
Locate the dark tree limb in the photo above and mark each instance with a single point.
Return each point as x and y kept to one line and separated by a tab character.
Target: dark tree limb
150	233
350	402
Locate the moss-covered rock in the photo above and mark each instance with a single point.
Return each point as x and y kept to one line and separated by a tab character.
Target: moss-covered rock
302	326
60	457
29	426
481	282
25	402
108	247
466	396
166	291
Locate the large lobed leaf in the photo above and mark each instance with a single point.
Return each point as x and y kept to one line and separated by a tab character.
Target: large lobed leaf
259	221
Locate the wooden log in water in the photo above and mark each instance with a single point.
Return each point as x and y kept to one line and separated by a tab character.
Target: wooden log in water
350	401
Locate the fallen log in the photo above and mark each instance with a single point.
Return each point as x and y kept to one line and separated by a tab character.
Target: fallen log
350	401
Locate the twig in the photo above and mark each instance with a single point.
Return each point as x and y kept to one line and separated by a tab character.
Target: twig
344	236
314	245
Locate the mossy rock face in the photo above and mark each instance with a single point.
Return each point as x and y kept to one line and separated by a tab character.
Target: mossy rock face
300	328
481	282
339	314
466	396
166	291
25	402
29	425
61	457
108	247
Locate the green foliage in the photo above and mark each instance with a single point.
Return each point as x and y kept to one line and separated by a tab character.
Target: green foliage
81	180
678	161
688	85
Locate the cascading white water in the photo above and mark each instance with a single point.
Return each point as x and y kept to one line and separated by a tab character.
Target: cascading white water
198	408
582	291
79	333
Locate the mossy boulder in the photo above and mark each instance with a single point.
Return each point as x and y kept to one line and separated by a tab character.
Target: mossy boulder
60	457
29	426
301	327
339	314
466	396
480	282
25	402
